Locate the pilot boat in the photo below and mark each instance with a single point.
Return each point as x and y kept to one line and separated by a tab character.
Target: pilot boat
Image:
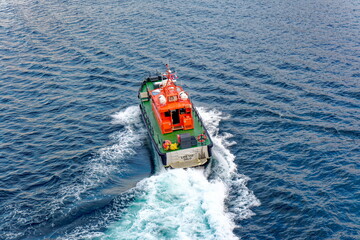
177	133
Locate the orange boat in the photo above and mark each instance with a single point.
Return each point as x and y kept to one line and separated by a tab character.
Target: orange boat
176	130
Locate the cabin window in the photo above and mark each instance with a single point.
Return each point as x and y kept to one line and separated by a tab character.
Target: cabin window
155	92
182	111
173	98
167	114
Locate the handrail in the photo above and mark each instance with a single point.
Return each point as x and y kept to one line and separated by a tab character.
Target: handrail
201	123
156	137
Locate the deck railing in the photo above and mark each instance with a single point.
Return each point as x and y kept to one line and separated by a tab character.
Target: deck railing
152	131
199	119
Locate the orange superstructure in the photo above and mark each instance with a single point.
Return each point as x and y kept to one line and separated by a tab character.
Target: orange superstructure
171	105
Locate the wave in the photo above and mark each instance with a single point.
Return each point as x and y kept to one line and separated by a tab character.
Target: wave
176	203
188	204
109	161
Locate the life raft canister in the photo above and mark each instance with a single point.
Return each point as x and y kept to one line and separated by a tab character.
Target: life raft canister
166	145
201	138
162	99
183	96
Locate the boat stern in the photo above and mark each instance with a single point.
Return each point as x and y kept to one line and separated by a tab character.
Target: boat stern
186	158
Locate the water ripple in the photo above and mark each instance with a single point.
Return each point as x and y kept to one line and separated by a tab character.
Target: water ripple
286	72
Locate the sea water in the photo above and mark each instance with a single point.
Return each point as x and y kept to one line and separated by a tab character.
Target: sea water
276	83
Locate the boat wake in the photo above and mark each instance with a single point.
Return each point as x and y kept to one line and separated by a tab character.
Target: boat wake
178	203
99	168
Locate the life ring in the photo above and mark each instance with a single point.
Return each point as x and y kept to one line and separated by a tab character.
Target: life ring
201	138
166	145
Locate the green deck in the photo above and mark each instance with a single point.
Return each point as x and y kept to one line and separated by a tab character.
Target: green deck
157	135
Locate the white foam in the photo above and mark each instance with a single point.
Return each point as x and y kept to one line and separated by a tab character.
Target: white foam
109	159
225	167
184	204
177	204
129	116
180	204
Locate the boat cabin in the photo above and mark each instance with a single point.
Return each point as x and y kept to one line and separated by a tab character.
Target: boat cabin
171	106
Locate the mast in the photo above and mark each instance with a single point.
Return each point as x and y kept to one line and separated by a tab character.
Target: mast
169	76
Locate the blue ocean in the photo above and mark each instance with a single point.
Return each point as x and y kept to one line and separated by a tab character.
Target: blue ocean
277	84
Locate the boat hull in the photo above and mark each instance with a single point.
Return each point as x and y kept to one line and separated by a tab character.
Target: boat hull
194	153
